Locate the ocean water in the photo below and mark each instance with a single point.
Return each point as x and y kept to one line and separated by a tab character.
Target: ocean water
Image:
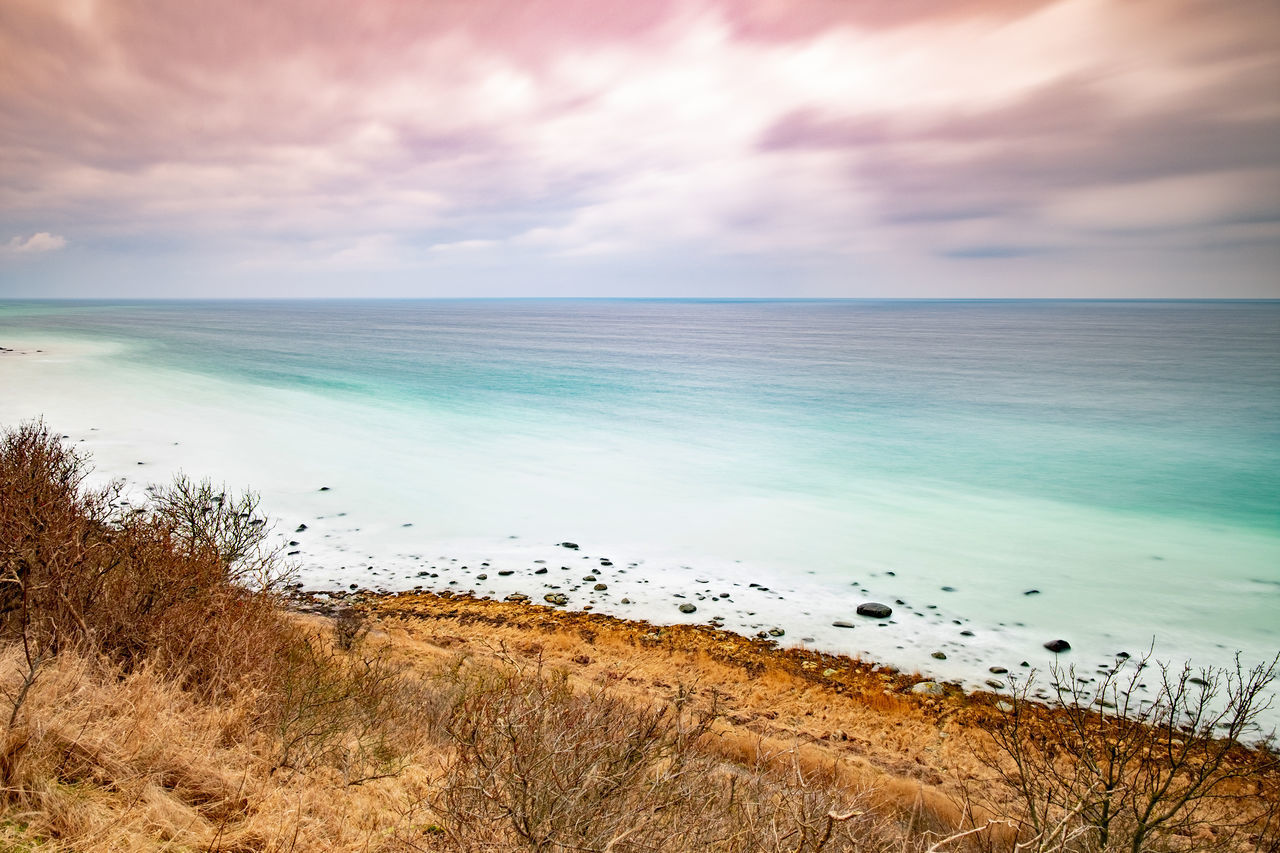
1123	458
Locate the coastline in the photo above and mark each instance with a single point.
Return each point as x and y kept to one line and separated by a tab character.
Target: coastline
388	494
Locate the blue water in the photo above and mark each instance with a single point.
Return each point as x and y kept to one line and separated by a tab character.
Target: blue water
1120	451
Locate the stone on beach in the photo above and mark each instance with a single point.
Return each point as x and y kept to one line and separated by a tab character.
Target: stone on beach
839	623
687	608
875	610
1057	646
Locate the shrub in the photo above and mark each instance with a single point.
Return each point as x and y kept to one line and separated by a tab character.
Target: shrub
1109	770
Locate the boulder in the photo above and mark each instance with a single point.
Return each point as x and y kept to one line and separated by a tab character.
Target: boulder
928	688
938	656
572	546
600	587
556	598
842	624
1057	646
875	610
687	608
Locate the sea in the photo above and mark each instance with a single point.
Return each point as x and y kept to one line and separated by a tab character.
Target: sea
1000	473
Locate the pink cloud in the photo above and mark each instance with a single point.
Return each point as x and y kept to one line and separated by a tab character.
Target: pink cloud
372	132
37	243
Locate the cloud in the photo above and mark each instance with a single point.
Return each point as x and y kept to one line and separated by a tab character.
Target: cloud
36	244
386	134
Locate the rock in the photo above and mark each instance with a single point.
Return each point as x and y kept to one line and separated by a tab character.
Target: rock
294	543
997	670
572	546
502	573
517	596
1032	592
626	601
541	571
600	587
995	684
875	610
776	632
605	562
827	673
1004	707
841	624
966	633
948	589
928	688
300	528
324	488
482	577
556	598
1057	646
588	578
938	656
687	608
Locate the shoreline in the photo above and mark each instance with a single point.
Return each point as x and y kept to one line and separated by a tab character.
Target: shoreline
378	527
841	673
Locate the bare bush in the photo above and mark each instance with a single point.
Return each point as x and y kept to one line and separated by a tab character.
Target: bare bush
1110	770
207	519
349	628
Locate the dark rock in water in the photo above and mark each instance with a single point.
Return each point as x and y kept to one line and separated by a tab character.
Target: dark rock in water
938	656
600	587
776	632
324	488
605	562
502	573
687	608
1057	646
875	610
1024	664
541	571
294	543
482	577
1032	592
997	670
948	589
517	596
556	598
966	633
1198	682
588	577
842	624
1123	655
301	528
626	601
572	546
995	684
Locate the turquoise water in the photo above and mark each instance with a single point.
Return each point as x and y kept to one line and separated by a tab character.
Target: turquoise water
1123	457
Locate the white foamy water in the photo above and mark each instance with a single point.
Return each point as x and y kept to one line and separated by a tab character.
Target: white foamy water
687	503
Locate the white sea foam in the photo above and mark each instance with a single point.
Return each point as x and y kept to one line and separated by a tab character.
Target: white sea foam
416	491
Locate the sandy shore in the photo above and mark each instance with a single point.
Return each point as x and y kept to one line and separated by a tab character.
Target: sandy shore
822	709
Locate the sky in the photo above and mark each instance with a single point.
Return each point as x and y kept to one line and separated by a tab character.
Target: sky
780	148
